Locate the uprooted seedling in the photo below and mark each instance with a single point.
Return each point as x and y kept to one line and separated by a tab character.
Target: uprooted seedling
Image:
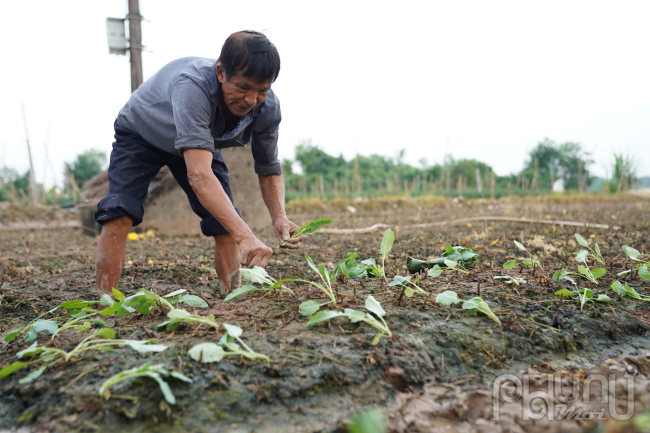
463	257
309	229
355	316
230	345
531	261
259	276
155	372
474	305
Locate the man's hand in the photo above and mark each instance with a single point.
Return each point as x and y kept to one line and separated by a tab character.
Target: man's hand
283	229
254	252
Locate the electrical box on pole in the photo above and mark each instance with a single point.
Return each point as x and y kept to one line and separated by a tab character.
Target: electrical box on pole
116	36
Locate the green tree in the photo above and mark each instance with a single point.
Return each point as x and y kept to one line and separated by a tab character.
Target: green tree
557	161
87	165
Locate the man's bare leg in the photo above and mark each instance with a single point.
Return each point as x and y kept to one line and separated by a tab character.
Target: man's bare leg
111	251
226	262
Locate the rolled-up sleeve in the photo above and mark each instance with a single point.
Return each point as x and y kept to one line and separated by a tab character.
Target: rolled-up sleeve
265	141
192	113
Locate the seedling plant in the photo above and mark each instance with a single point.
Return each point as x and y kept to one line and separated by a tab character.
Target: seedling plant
102	339
309	229
584	295
230	345
355	316
643	262
530	261
626	290
594	253
583	270
474	305
178	315
406	282
256	275
387	241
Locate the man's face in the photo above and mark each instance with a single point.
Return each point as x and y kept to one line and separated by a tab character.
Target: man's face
241	94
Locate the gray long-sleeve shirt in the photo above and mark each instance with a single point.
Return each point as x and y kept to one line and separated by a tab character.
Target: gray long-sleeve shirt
179	108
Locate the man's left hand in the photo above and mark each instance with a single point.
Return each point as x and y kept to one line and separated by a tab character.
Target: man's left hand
283	229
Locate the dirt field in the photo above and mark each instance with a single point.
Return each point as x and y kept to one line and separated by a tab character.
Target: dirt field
435	374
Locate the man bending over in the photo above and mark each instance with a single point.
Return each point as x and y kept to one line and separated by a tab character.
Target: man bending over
182	117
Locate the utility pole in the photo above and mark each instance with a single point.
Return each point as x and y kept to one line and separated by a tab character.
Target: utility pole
135	44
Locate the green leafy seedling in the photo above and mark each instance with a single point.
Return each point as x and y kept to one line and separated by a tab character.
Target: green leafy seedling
230	345
472	306
626	290
530	261
592	253
583	270
155	372
309	229
405	282
584	295
355	316
256	275
348	268
643	266
178	315
448	266
326	287
387	241
38	324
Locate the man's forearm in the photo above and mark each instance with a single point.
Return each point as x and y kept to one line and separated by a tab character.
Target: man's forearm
215	200
272	188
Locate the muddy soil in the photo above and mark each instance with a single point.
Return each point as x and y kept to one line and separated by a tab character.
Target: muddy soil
320	377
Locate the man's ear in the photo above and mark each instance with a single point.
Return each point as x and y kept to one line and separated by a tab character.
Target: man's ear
221	74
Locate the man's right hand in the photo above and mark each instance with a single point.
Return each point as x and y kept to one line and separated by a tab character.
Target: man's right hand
254	252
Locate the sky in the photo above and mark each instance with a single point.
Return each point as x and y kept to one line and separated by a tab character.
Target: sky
473	79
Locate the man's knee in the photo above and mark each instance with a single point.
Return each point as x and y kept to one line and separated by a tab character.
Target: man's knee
120	226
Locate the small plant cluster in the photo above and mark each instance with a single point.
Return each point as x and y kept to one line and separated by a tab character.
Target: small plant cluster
472	306
583	268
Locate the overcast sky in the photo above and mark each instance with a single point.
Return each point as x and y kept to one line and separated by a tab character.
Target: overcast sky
491	78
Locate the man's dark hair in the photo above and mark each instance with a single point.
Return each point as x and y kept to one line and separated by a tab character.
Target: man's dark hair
252	54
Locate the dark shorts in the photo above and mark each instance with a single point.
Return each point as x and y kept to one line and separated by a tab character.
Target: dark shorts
134	164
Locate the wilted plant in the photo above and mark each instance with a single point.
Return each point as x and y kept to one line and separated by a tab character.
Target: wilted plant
260	276
472	306
355	316
50	326
155	372
230	345
309	229
530	261
103	339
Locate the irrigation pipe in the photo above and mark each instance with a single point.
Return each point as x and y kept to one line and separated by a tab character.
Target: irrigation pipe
380	226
